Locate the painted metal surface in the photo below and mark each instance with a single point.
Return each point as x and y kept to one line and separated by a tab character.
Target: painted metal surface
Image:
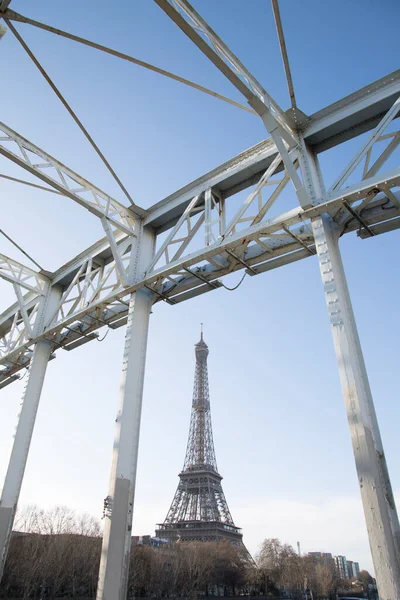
118	504
375	487
257	241
20	450
373	477
114	565
116	280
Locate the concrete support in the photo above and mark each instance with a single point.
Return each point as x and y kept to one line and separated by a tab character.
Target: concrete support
23	436
376	492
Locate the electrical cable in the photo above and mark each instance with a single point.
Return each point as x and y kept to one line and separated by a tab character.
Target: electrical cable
69	109
306	225
24	375
104	336
236	286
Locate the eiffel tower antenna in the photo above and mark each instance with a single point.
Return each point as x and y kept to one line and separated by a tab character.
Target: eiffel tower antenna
199	511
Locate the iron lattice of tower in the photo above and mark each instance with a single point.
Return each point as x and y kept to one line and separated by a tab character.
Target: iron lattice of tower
199	511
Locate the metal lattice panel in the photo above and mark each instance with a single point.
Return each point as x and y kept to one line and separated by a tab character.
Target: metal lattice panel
200	453
199	497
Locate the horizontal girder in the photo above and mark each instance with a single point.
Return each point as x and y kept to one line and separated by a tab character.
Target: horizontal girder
44	166
194	277
97	283
339	122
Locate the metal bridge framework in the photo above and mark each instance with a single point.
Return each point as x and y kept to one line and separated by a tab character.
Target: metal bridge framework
184	245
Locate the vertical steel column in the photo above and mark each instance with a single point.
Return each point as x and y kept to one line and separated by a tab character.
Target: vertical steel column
373	477
23	436
114	562
376	492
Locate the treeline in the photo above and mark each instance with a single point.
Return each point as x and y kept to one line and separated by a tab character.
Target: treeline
286	570
58	555
282	568
189	569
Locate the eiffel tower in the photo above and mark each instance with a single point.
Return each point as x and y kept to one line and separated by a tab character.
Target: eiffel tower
199	511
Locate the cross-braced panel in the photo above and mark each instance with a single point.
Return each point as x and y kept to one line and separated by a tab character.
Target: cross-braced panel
204	232
199	496
200	453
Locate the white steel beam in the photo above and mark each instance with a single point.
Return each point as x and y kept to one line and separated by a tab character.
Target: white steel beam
228	178
164	247
94	288
285	57
23	311
68	107
172	277
70	184
201	34
23	436
366	147
370	171
18	274
19	454
373	477
257	190
274	225
114	564
98	295
357	113
13	16
338	122
115	252
274	119
118	505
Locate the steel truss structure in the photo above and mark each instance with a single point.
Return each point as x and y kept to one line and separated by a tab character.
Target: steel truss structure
199	510
185	245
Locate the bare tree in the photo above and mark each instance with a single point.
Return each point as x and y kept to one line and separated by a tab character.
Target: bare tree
56	554
52	552
325	577
275	560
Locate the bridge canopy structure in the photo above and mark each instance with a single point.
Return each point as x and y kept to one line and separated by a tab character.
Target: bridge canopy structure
263	209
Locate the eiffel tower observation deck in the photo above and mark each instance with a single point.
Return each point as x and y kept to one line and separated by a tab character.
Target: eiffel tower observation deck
199	511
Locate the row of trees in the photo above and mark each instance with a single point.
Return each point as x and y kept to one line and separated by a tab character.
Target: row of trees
284	569
189	569
59	552
287	570
58	555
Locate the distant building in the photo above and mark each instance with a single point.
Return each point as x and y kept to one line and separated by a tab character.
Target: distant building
350	569
346	569
341	566
353	568
320	555
147	540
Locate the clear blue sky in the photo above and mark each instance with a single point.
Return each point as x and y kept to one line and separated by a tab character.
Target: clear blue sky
280	426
